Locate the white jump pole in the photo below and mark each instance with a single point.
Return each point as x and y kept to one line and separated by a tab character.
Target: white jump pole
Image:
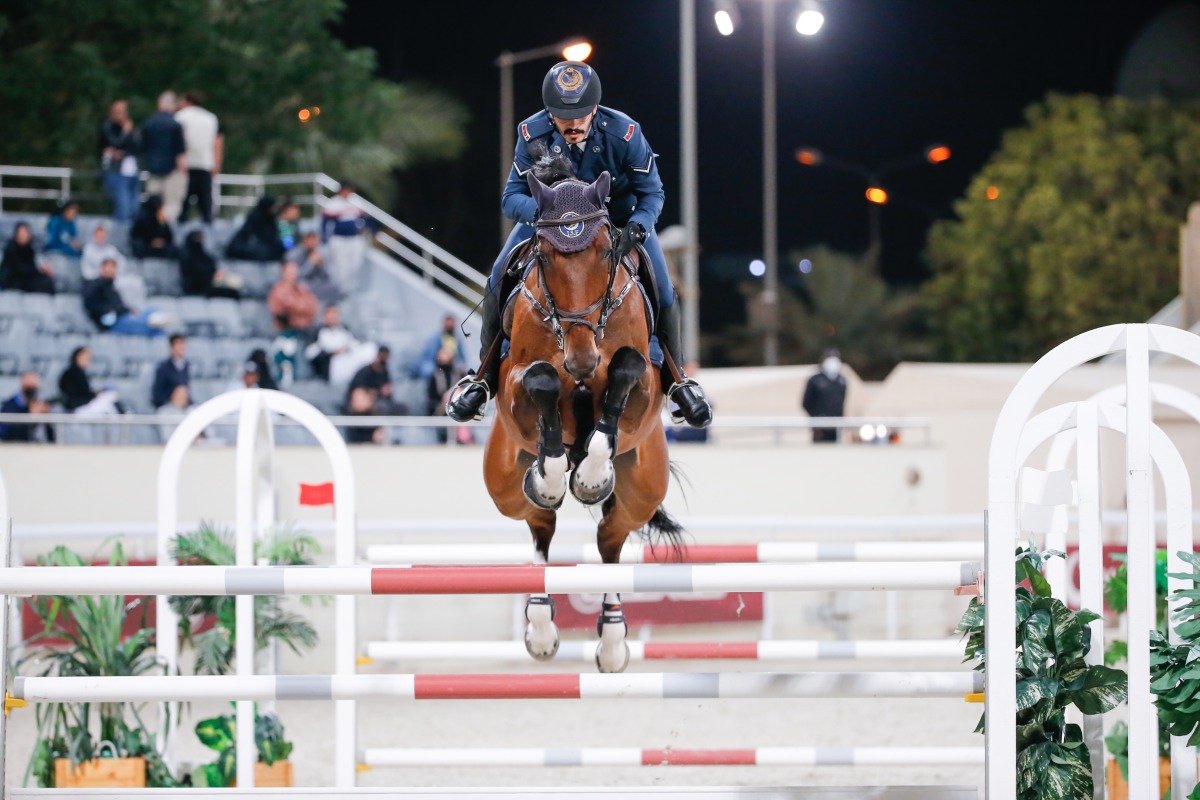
765	650
636	553
356	580
657	685
5	560
672	757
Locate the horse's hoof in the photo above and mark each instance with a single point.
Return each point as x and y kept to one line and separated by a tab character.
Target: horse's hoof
539	647
610	658
534	494
594	479
589	494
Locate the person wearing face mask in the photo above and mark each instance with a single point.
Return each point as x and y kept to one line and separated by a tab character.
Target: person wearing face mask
25	401
825	395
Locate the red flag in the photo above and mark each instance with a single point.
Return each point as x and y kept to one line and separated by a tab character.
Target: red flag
316	494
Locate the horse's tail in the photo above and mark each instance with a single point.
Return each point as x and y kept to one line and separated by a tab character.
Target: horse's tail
665	529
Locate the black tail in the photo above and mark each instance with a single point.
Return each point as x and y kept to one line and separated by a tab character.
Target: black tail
665	529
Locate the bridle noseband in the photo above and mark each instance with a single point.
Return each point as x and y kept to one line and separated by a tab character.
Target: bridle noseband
606	303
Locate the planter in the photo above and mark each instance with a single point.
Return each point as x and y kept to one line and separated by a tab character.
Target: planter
278	774
101	773
1118	789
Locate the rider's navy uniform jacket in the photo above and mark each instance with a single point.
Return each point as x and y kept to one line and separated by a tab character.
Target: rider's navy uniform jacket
614	143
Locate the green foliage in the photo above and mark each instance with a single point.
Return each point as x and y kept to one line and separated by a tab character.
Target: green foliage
215	647
220	734
1084	232
93	648
1052	640
259	63
1175	669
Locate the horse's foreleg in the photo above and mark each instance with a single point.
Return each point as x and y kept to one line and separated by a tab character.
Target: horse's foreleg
594	479
545	482
541	634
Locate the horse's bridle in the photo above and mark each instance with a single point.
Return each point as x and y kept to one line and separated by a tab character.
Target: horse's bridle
606	303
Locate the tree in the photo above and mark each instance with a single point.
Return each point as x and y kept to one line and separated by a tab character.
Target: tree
260	64
1072	224
841	303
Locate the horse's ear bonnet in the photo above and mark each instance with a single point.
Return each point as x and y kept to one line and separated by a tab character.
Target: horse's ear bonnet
565	200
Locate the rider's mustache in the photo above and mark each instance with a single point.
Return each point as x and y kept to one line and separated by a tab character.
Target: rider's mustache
570	131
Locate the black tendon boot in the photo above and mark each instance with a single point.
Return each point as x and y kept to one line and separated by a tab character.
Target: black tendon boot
691	404
470	396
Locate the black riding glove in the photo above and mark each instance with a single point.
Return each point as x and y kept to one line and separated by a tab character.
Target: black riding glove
631	234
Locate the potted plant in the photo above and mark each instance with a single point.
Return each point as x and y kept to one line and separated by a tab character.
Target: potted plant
216	646
220	734
1174	672
1052	640
82	636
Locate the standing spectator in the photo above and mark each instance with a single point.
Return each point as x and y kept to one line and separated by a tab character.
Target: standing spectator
106	307
313	272
447	341
294	309
258	357
118	160
170	373
96	252
25	401
205	150
19	269
75	390
62	234
163	155
825	395
336	356
258	238
151	235
342	224
199	275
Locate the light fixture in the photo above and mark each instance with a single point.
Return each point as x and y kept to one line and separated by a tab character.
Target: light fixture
577	51
805	266
810	19
758	268
809	156
992	192
726	17
937	153
877	195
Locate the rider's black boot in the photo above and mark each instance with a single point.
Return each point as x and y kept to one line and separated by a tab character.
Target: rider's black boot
691	404
470	396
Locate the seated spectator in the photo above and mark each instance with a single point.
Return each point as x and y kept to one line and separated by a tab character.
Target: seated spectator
171	373
95	251
199	275
289	225
258	357
371	394
19	269
361	403
25	401
75	390
336	356
447	340
178	404
294	308
62	234
258	238
375	376
248	379
313	271
107	309
151	235
446	374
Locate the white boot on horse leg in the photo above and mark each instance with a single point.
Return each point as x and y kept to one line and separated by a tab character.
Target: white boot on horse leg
594	479
541	634
546	482
612	654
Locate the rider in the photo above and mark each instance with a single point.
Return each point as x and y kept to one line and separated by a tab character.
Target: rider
598	139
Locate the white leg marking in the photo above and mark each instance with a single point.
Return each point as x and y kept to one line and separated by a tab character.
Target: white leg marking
596	469
552	485
613	653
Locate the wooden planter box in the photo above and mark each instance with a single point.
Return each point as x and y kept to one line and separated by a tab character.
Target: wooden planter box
279	774
101	773
1118	789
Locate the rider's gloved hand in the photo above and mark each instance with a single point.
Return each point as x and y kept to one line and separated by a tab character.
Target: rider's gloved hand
631	234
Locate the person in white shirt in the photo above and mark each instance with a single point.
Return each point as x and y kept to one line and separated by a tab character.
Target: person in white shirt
205	149
336	352
131	287
342	224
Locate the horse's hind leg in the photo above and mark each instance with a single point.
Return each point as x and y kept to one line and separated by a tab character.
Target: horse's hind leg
545	482
541	634
593	480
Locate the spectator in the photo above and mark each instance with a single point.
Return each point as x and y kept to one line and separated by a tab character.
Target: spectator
19	269
151	235
258	357
62	234
25	401
825	395
336	356
178	404
248	379
258	238
449	340
289	224
205	150
171	373
446	374
106	307
313	273
294	309
342	224
118	160
375	376
361	403
163	155
199	275
75	390
96	251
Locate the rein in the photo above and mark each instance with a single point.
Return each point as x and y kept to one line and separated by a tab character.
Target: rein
556	316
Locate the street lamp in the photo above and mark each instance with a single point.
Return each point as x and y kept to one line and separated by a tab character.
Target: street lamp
876	194
575	48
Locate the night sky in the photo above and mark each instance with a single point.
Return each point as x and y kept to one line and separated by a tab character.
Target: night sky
883	79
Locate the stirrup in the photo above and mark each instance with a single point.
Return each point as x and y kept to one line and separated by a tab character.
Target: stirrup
464	385
677	413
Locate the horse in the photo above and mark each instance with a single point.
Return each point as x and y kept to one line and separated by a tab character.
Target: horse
578	406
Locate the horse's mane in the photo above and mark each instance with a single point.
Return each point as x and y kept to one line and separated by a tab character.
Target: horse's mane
550	168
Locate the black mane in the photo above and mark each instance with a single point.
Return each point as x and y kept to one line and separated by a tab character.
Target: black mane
550	168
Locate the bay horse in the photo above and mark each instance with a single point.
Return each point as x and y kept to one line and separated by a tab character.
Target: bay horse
578	407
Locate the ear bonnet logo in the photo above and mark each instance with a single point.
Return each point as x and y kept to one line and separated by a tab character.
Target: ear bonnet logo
574	229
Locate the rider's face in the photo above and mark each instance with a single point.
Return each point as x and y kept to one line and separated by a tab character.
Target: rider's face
574	130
